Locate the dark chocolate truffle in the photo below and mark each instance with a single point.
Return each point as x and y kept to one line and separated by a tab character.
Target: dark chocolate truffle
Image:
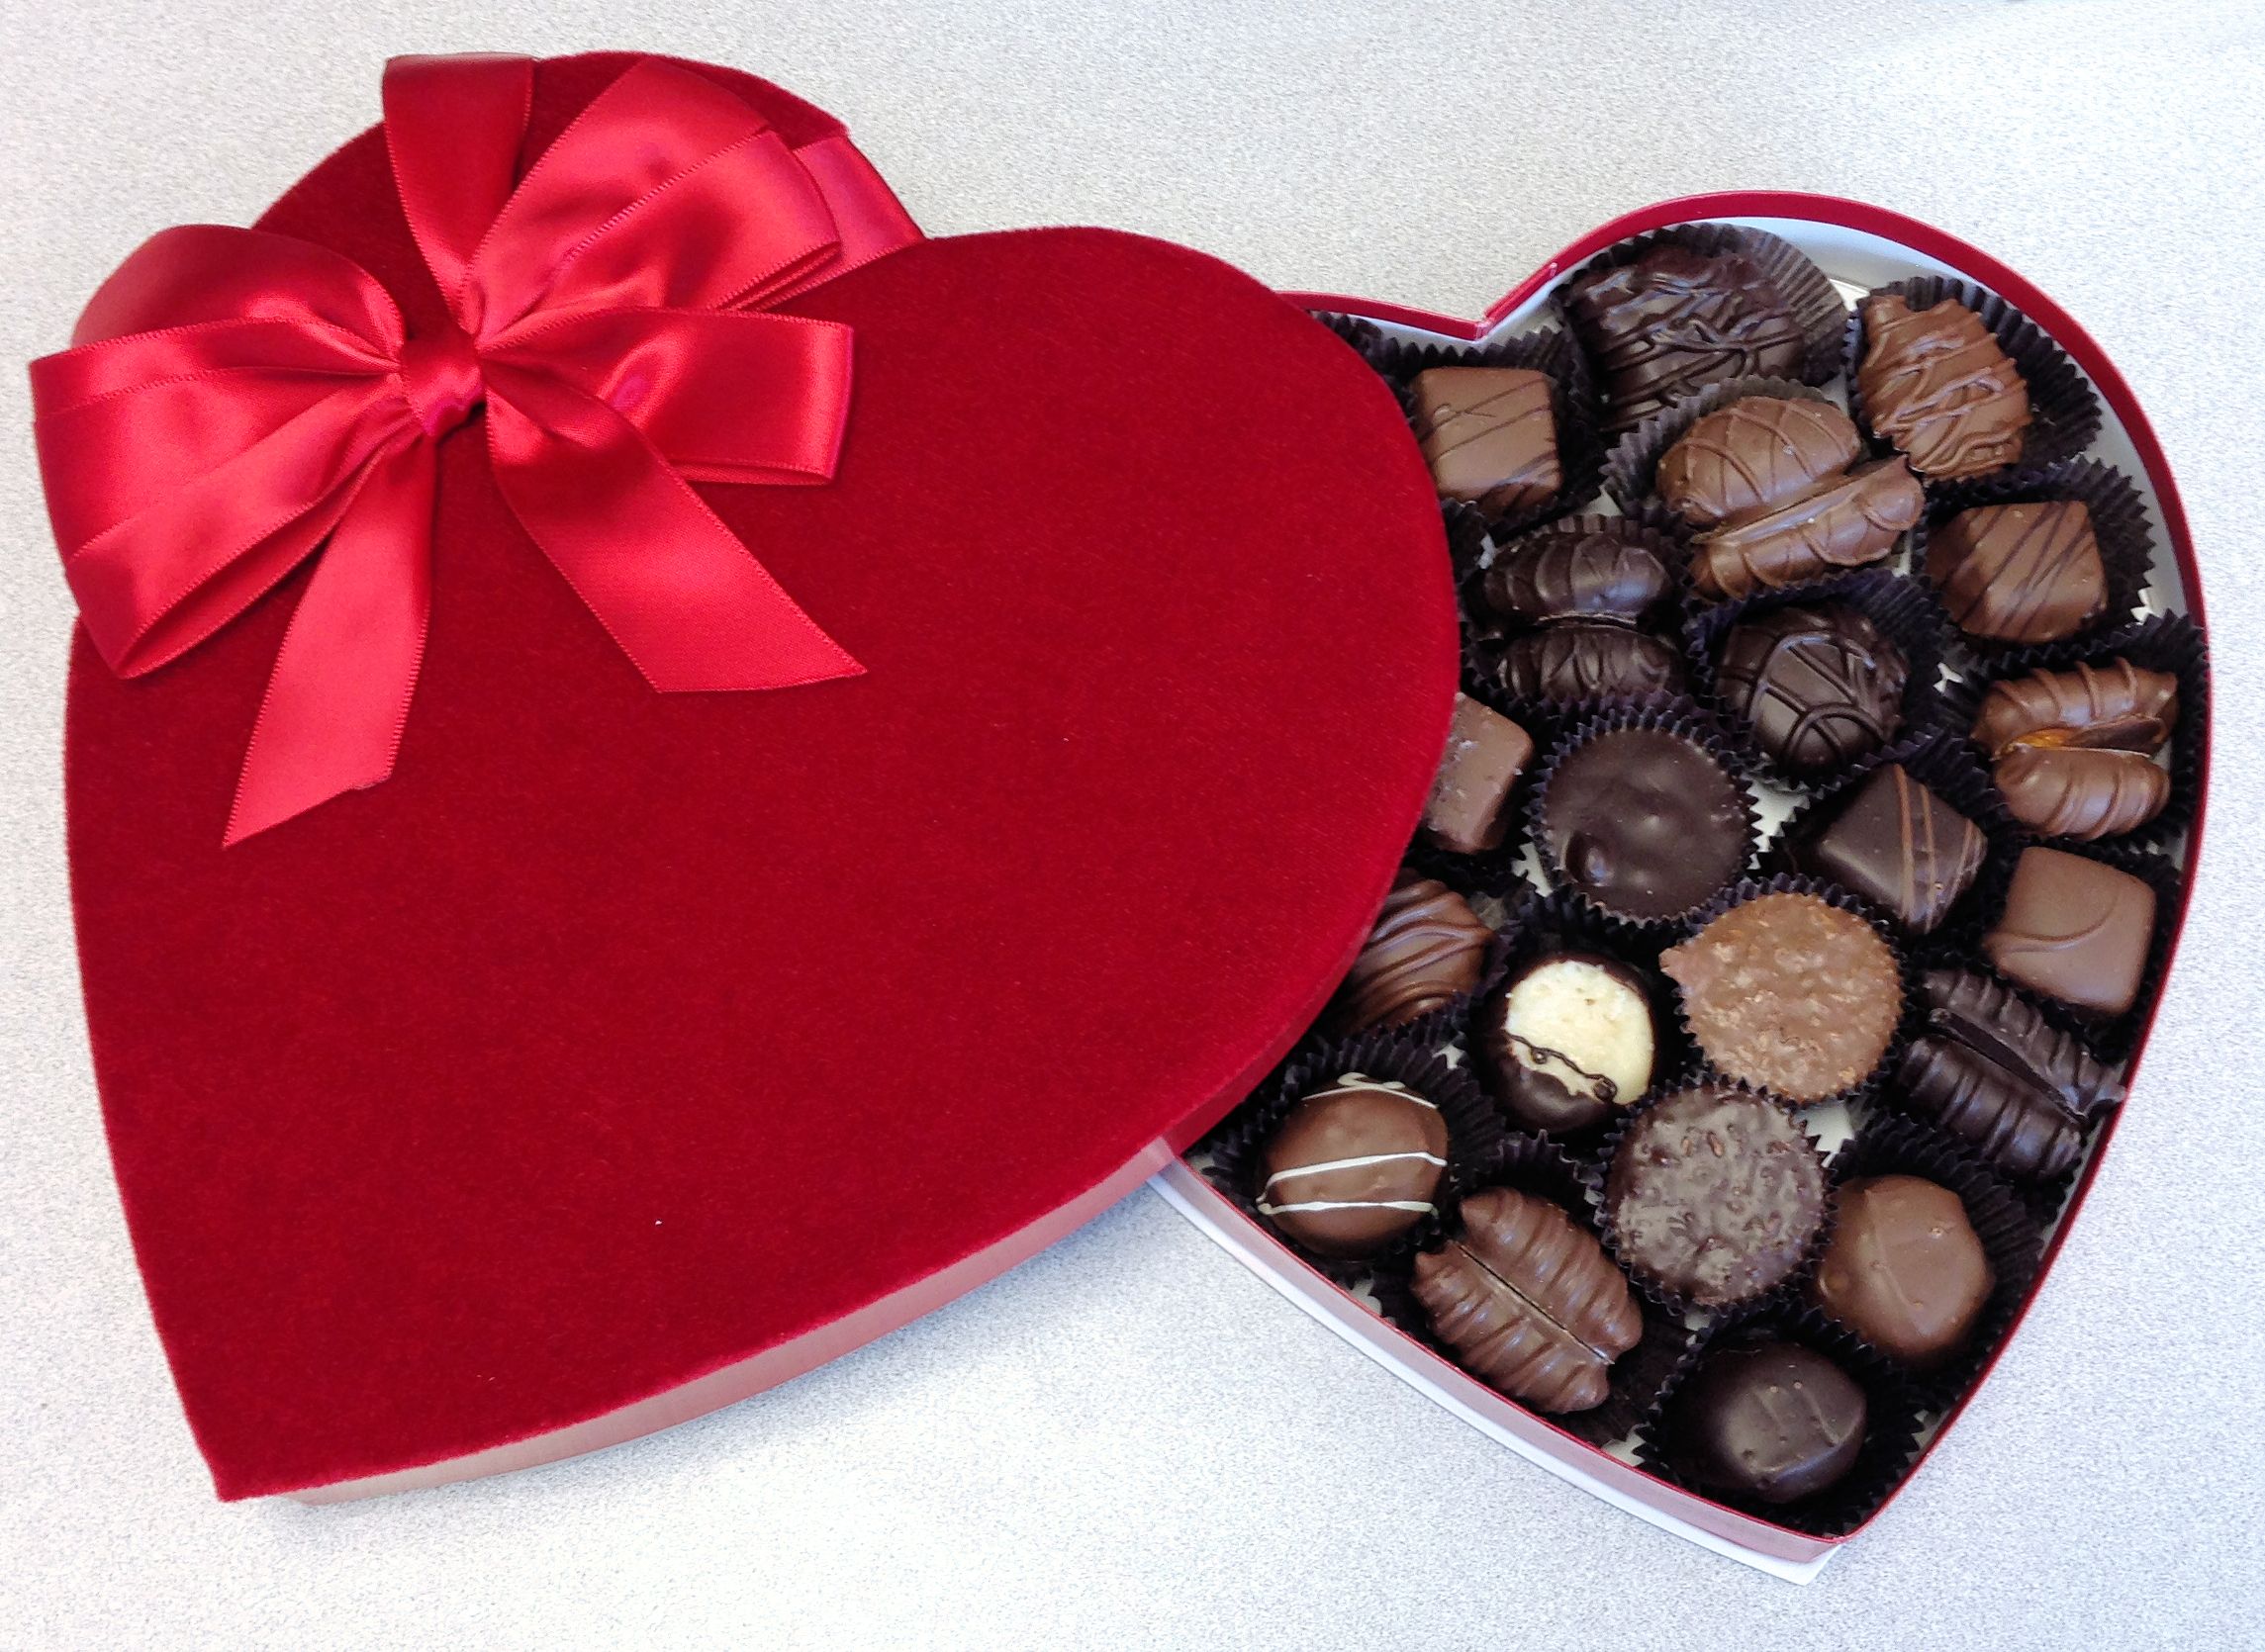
1775	1422
1426	951
1789	992
1820	686
1490	435
1715	1195
1903	1268
1753	456
1675	320
1601	573
1900	846
2074	930
1529	1302
1848	522
1584	660
1645	822
2020	573
2118	706
2067	792
1994	1073
1571	1039
1485	753
1935	384
1354	1166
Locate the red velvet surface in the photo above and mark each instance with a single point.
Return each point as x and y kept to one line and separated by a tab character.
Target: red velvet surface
621	1036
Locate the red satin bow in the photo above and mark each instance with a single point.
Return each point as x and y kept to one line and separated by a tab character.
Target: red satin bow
235	398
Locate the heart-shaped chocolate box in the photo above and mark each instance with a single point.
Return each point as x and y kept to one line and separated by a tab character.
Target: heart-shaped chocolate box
1860	248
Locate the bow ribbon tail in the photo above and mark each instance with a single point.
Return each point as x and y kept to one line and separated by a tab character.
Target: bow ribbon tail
679	594
336	701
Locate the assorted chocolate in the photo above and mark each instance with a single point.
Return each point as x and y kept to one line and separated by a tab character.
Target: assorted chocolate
1775	1422
1571	1039
1904	1269
2073	752
1468	809
1900	846
1819	685
1354	1165
1427	950
1646	822
2074	929
1677	320
1936	384
1593	603
2024	574
1490	435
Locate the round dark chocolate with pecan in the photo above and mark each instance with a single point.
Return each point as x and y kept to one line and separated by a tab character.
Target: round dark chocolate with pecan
1820	686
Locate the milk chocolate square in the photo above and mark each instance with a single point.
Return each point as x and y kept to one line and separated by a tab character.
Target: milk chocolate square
2074	930
1490	435
1485	753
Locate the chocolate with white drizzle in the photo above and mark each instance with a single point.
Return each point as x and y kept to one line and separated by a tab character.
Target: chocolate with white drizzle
1354	1166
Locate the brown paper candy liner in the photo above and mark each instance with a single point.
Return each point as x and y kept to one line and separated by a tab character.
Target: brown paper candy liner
1910	1016
1474	1130
1892	1144
1669	714
1905	612
1631	467
1945	764
2118	524
1535	1165
1364	336
1467	545
1565	923
1598	1165
2064	415
1817	305
1891	1420
2164	642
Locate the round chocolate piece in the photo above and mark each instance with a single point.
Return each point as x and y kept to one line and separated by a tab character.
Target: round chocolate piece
1589	659
1600	573
1775	1422
1645	822
1571	1038
1427	950
1714	1195
1820	686
1354	1166
1790	993
1905	1269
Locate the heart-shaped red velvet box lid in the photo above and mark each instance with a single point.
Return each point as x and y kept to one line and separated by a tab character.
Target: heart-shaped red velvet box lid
624	1051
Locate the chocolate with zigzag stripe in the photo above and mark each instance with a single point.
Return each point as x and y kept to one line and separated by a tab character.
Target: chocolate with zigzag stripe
1427	950
1354	1166
1677	320
1936	385
1820	686
2020	573
1490	435
1901	848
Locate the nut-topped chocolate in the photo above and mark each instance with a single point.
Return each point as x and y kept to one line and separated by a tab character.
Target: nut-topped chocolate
1646	822
1715	1195
1570	1040
1675	320
1900	846
1485	753
1903	1268
1353	1165
2073	751
1775	1422
2026	572
1936	383
1528	1301
1426	951
1600	571
1490	435
1820	686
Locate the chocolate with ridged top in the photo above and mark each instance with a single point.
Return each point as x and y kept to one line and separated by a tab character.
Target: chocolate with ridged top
1529	1302
1845	523
1490	435
2020	573
1590	658
2067	792
1900	846
1994	1073
1820	686
1903	1268
2075	930
1602	573
1935	384
1353	1165
2118	706
1776	1422
1485	753
1427	950
1570	1040
1755	456
1715	1194
1645	822
1675	320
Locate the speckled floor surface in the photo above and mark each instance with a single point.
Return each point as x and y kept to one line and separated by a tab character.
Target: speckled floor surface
1130	1441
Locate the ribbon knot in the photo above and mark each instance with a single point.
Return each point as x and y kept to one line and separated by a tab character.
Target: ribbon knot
441	376
237	401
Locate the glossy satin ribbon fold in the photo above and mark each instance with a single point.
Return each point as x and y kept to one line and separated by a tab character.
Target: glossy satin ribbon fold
235	401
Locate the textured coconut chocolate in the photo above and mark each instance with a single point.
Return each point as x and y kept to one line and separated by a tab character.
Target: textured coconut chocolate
1598	574
2074	930
2020	573
1789	992
1900	846
1490	435
1715	1195
1586	660
1775	1422
1677	318
1845	523
1529	1302
1568	1041
1427	950
1820	686
1485	753
2069	791
1994	1073
1903	1268
1354	1166
1935	384
2118	706
1751	458
1645	822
